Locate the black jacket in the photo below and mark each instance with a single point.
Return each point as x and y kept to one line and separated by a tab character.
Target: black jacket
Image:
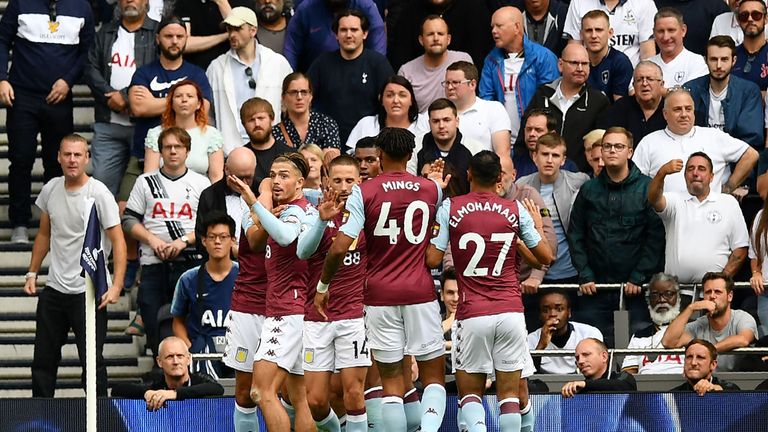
727	386
626	112
624	382
456	163
199	385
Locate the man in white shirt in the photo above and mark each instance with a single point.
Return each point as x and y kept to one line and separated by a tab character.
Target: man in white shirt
484	121
427	71
681	138
677	63
248	69
663	306
705	228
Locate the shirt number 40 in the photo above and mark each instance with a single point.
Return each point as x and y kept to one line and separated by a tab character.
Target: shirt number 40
386	227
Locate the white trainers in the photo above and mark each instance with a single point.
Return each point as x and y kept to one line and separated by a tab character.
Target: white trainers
20	235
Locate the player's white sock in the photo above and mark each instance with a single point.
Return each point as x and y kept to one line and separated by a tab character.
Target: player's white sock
343	422
330	423
373	408
473	412
357	421
528	420
412	408
509	418
432	407
246	419
460	420
291	412
393	414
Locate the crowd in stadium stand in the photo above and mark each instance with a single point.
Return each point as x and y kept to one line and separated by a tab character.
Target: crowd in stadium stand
241	142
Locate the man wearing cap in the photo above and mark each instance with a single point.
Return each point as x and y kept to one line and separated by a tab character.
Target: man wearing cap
247	70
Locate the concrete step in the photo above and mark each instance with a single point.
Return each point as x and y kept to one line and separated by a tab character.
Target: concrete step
26	351
18	259
70	372
27	393
29	304
114	326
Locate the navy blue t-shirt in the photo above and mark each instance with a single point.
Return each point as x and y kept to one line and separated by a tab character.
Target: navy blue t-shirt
752	67
159	80
613	75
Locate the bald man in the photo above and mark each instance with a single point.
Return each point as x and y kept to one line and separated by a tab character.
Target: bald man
572	99
220	196
506	61
592	362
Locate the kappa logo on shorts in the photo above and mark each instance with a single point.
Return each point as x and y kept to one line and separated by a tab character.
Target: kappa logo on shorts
309	355
277	330
273	341
241	355
277	319
270	353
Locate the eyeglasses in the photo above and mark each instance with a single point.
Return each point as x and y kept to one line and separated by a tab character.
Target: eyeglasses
649	80
52	11
220	237
251	81
295	93
447	84
666	295
576	64
755	15
616	147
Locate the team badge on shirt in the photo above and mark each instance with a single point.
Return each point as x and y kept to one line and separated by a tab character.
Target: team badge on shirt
345	217
629	17
53	26
435	230
309	355
680	76
241	355
606	76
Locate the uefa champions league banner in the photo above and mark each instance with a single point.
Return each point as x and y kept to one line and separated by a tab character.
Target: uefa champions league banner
652	412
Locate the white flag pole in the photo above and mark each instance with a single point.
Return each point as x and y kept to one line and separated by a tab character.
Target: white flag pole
90	354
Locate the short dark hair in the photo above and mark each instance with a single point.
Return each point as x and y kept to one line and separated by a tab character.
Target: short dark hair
555	291
366	142
433	17
722	41
449	273
469	69
485	167
364	23
293	76
442	103
707	344
180	134
169	20
343	160
218	217
397	143
546	113
756	1
297	159
703	155
413	110
708	276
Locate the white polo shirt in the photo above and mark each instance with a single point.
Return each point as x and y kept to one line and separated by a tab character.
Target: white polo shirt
660	147
681	69
564	365
701	235
482	120
631	20
661	364
726	24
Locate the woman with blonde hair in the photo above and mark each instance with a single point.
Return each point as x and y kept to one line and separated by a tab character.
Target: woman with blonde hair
314	156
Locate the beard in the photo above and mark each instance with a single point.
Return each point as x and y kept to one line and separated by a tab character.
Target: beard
172	56
661	318
268	14
260	136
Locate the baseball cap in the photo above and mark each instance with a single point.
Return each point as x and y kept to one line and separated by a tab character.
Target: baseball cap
241	15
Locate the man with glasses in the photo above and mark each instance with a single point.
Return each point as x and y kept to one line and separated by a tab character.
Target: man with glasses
677	63
705	229
752	54
664	306
248	69
573	103
614	237
681	138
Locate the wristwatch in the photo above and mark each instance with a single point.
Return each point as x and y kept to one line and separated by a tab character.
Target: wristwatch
185	239
30	275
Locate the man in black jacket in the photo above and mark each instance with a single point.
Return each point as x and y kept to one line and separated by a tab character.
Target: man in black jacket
592	361
700	363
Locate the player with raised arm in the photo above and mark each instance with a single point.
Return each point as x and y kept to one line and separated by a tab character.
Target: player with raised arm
396	211
278	358
482	229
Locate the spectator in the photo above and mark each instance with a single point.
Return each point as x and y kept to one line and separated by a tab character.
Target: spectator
36	91
573	103
727	23
678	65
614	236
593	151
631	20
63	203
752	54
346	82
758	249
221	197
257	117
592	361
641	113
700	16
664	306
119	48
449	296
700	364
273	18
721	325
445	142
177	382
483	121
610	70
681	138
544	23
558	189
185	109
514	70
397	108
558	332
426	71
538	122
203	20
300	124
200	306
705	228
313	30
467	20
367	155
160	214
315	179
725	101
263	68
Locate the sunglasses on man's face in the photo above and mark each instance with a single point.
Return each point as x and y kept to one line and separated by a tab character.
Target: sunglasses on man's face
755	15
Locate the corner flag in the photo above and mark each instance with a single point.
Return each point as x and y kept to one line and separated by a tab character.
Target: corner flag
92	259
